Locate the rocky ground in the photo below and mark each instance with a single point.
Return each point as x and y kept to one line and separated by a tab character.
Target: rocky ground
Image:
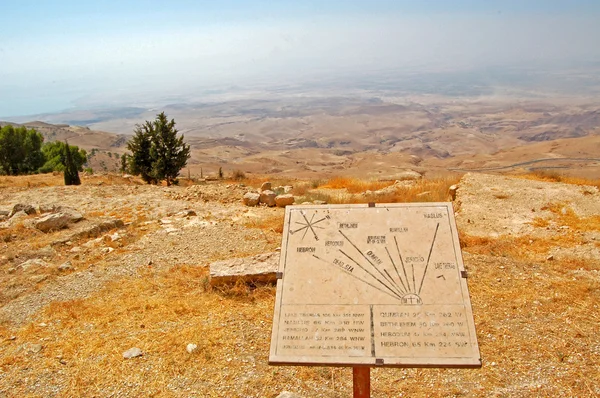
133	274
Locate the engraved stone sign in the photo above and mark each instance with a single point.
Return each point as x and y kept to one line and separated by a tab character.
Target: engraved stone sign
368	285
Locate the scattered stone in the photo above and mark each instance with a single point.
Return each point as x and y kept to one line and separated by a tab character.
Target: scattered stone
27	209
251	199
284	200
38	278
33	264
423	194
287	394
260	268
35	348
45	208
67	266
409	175
92	231
191	348
107	250
452	191
57	221
187	213
319	202
14	218
132	353
266	186
268	197
4	213
550	258
287	189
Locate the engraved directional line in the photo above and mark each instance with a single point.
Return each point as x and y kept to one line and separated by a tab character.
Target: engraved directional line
402	262
372	276
366	258
429	256
309	225
396	268
354	276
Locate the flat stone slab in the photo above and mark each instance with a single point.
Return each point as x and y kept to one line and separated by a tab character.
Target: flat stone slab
260	268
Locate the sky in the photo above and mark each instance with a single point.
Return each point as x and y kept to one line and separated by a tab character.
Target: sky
60	54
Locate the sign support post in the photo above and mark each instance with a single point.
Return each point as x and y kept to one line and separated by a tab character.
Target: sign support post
361	381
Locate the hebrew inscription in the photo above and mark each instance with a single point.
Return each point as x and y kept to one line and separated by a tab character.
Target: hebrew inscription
381	285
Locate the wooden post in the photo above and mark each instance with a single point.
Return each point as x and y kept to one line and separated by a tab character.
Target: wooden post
361	381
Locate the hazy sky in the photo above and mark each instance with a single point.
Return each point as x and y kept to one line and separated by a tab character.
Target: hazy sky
56	54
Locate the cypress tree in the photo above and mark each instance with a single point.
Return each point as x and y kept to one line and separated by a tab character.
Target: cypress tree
71	174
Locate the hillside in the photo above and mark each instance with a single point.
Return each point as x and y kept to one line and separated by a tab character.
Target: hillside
371	134
74	300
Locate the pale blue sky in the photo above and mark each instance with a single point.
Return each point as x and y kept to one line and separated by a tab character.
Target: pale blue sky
58	54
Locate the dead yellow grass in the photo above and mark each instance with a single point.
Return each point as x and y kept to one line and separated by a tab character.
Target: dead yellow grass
567	217
556	177
536	329
56	179
271	222
354	185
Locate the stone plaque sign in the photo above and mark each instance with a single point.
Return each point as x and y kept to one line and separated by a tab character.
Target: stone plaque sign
380	285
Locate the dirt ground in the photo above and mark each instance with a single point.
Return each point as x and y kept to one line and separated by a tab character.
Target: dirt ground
531	248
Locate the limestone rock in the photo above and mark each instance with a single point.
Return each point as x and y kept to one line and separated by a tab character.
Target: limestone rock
191	348
287	188
409	175
319	202
284	200
16	217
132	353
251	198
452	191
268	197
67	266
28	209
33	264
56	221
45	208
266	186
287	394
259	268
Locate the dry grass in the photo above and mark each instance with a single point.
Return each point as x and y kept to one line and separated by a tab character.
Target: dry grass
552	176
56	179
567	217
270	222
536	324
354	185
536	329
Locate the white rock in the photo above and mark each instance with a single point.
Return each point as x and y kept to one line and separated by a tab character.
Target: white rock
132	353
20	207
268	197
260	268
284	200
65	266
191	348
251	199
34	263
287	394
56	221
452	191
266	186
